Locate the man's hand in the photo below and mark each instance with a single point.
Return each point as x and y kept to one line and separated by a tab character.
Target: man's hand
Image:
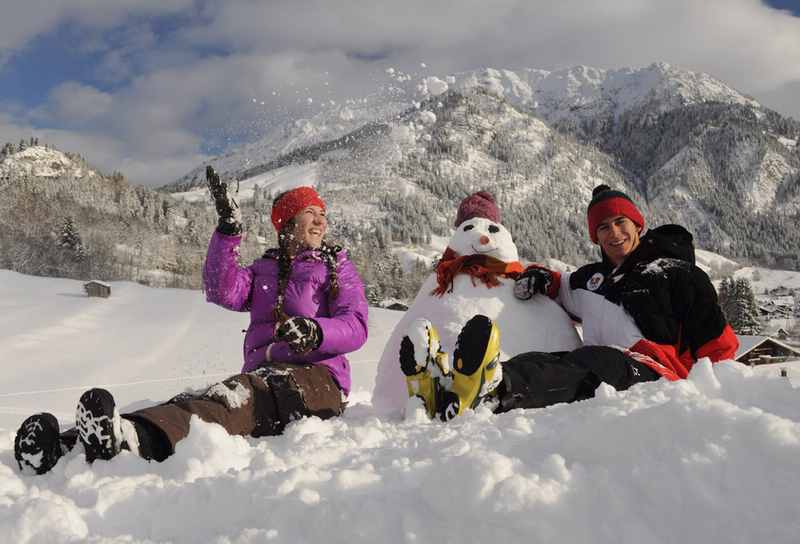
301	333
230	216
534	280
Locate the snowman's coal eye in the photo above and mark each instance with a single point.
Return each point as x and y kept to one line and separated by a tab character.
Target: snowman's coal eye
468	227
494	228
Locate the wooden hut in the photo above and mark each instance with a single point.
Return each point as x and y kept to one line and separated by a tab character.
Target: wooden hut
95	288
759	350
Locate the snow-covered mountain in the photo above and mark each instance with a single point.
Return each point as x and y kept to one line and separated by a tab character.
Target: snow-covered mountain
116	231
393	167
568	95
687	147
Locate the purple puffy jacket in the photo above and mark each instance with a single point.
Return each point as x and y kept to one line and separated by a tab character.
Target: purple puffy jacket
343	320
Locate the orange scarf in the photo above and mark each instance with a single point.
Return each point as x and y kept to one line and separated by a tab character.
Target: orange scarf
480	267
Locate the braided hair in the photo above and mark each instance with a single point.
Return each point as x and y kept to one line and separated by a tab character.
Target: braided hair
327	251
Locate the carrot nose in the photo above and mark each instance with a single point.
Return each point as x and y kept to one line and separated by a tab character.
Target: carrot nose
484	239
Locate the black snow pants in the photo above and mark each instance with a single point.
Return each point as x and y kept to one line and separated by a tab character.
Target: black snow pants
536	379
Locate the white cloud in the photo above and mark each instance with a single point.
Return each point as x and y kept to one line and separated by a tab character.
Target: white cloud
77	103
24	20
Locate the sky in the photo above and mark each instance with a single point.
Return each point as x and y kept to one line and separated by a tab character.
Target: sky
153	88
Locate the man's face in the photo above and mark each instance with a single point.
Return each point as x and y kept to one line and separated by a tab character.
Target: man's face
310	226
618	236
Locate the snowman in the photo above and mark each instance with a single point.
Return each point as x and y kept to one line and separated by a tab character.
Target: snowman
474	276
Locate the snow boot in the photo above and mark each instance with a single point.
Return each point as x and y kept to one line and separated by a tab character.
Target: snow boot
424	363
476	371
38	445
102	431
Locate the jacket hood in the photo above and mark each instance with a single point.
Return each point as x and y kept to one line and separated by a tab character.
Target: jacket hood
672	241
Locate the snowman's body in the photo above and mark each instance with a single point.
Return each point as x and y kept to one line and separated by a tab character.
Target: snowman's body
538	324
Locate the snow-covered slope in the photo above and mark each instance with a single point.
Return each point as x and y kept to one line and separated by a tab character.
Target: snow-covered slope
715	458
42	162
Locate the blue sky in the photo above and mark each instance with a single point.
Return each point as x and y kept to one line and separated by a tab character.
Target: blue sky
153	87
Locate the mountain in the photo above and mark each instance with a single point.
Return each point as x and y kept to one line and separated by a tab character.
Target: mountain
393	168
61	217
687	147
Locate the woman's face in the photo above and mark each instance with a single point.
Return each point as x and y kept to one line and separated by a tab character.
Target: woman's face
618	236
310	226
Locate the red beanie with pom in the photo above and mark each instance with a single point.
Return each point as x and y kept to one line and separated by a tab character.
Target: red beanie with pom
292	202
609	203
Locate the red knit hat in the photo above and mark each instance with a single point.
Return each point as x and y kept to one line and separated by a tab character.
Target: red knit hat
608	203
480	204
292	202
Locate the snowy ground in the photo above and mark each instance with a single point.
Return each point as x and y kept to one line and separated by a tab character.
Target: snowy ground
715	458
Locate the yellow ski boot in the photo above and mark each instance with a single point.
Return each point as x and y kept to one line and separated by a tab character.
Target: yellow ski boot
476	369
424	363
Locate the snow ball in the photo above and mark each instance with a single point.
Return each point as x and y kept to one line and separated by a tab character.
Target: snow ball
233	398
47	518
11	485
353	479
782	431
702	375
308	427
415	411
606	392
435	86
208	451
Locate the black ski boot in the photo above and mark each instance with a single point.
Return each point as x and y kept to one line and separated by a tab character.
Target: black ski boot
38	445
99	425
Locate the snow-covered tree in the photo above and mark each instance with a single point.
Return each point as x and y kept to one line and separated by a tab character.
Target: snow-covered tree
746	319
70	238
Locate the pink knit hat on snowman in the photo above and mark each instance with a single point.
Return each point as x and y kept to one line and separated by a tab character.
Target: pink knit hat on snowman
480	204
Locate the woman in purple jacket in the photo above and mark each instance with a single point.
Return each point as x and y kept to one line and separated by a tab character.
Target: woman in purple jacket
307	310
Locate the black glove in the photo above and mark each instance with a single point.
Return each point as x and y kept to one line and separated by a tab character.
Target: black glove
534	280
230	216
301	333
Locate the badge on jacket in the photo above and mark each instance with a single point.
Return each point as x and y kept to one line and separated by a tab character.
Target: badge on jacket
595	281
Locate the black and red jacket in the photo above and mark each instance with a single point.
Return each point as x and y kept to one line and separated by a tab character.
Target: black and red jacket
658	303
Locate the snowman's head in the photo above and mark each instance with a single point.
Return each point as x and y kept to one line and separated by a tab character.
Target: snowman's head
480	236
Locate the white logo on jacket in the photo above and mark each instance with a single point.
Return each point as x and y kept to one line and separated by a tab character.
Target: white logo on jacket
595	281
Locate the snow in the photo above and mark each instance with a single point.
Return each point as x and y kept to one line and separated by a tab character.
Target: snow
275	181
715	458
39	161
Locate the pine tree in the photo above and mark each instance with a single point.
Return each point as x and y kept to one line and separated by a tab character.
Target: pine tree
747	319
726	299
70	238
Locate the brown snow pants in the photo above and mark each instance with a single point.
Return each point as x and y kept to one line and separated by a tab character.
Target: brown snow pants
259	403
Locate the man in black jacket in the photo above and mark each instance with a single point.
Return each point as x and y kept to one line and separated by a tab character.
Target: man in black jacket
646	309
